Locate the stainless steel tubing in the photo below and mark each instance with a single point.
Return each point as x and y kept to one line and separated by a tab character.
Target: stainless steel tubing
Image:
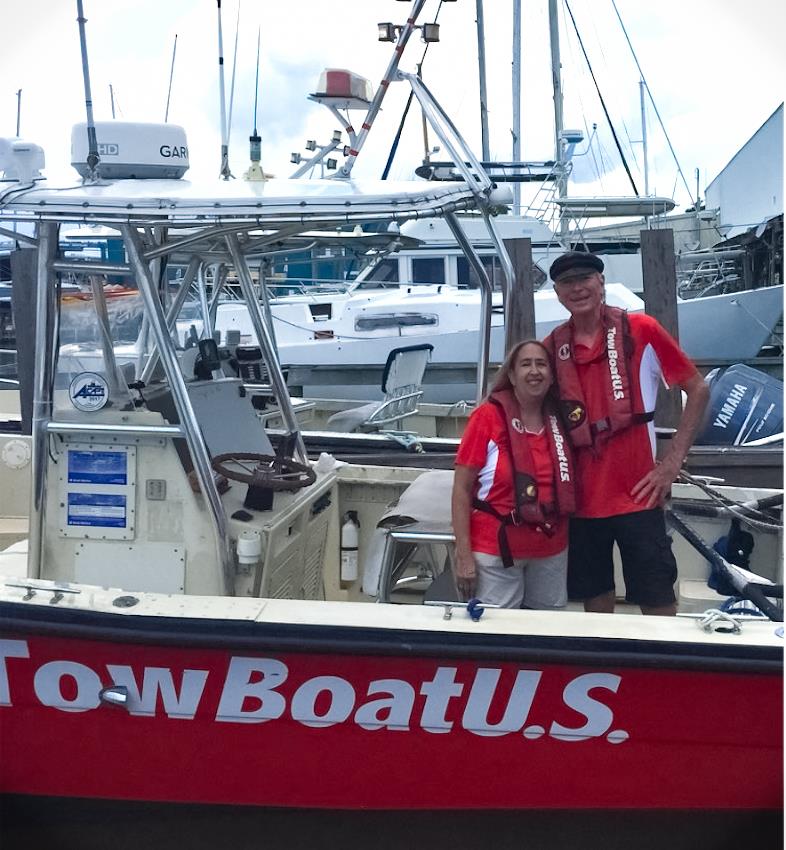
266	344
484	342
264	296
109	430
172	313
460	152
42	390
188	420
507	264
80	267
207	324
107	346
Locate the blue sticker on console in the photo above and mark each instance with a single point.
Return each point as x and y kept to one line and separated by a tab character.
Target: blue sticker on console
97	509
97	467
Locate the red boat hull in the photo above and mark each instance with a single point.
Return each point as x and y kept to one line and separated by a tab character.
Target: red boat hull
264	727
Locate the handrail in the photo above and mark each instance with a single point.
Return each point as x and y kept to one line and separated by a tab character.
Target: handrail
189	422
111	429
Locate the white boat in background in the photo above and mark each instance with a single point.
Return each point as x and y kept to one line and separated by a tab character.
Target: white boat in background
732	327
334	341
336	346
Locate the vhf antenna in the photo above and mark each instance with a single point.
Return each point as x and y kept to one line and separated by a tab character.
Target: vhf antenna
93	159
255	172
225	173
171	77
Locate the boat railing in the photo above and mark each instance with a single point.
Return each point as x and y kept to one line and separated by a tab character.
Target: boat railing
296	286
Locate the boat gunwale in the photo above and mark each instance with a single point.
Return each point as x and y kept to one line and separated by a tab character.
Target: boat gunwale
321	639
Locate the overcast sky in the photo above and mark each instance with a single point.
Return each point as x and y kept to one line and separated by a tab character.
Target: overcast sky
715	69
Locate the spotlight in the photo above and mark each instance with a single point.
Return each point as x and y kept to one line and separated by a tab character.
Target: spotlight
387	32
430	32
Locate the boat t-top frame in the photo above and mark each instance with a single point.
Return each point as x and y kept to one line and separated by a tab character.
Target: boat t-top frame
175	222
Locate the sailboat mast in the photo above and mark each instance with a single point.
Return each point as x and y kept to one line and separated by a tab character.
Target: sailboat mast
484	114
644	139
516	101
556	82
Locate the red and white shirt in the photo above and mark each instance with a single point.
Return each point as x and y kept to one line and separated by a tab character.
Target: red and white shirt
604	481
485	447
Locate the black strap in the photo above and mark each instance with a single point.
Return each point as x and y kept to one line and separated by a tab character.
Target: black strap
502	535
636	419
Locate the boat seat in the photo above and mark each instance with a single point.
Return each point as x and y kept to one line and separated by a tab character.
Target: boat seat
408	542
402	379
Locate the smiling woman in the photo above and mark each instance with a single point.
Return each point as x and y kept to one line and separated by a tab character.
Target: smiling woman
513	490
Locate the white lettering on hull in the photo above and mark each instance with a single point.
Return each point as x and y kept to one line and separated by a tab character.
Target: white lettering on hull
251	693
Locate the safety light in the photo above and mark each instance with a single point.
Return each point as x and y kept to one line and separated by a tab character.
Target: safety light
430	32
387	32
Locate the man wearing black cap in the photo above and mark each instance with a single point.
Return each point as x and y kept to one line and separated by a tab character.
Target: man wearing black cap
608	366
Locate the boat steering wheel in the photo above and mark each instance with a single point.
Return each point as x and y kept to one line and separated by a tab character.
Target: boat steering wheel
264	471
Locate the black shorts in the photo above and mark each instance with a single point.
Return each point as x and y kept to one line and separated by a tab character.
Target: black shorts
648	564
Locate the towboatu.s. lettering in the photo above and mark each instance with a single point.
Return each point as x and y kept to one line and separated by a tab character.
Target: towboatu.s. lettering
256	690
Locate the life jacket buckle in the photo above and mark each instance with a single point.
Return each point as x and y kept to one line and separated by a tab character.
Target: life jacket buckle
515	519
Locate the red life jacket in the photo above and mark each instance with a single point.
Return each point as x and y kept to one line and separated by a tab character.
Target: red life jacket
623	409
529	507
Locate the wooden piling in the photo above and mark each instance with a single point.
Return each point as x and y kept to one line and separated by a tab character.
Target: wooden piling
659	274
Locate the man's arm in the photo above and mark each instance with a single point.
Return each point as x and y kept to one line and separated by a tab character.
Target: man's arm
461	507
655	487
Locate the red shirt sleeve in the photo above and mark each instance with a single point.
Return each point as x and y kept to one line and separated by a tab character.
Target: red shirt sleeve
676	366
473	448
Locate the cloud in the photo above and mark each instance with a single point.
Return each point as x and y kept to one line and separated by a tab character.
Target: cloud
714	67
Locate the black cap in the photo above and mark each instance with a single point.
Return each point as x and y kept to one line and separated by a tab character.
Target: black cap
575	260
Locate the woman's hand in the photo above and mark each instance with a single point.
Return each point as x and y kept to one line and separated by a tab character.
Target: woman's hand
466	575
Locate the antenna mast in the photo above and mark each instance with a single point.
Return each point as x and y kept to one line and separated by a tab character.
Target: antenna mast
225	173
234	67
171	77
93	159
18	111
255	172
